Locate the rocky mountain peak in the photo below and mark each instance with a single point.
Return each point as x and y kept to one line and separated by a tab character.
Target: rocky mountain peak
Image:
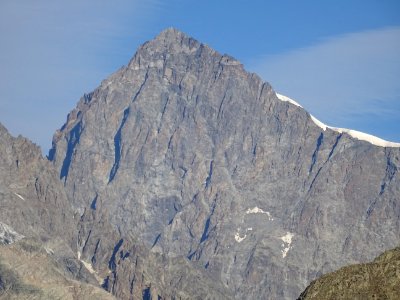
171	35
172	43
186	152
174	40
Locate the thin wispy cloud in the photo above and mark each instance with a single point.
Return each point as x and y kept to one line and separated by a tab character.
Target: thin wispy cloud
53	51
345	80
59	50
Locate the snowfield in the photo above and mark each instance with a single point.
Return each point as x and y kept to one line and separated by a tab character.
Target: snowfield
353	133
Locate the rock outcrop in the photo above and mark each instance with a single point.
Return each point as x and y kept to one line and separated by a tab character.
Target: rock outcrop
28	271
379	279
38	229
198	161
48	251
127	269
33	201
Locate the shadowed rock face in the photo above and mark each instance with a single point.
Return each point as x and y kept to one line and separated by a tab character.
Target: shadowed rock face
194	157
376	280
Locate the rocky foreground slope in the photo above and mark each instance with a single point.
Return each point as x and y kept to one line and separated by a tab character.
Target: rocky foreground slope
379	279
199	162
29	270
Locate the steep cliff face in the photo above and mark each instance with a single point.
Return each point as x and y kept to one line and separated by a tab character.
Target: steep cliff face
38	229
33	200
199	160
126	268
47	251
375	280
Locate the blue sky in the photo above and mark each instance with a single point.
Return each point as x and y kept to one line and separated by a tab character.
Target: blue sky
338	59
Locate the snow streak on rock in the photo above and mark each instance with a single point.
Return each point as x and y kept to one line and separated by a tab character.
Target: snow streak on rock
353	133
19	196
89	267
239	238
256	210
287	242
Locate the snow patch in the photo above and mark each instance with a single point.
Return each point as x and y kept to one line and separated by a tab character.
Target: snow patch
353	133
287	99
256	210
319	123
89	267
366	137
19	196
238	238
49	250
287	242
8	235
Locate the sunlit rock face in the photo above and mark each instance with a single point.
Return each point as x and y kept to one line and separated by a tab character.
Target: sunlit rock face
199	160
33	201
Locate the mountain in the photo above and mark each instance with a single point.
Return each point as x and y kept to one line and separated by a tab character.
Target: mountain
33	200
49	252
191	157
376	280
37	229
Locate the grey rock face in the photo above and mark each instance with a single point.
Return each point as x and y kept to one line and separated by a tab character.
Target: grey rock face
29	271
199	160
126	268
33	201
34	207
8	235
70	256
